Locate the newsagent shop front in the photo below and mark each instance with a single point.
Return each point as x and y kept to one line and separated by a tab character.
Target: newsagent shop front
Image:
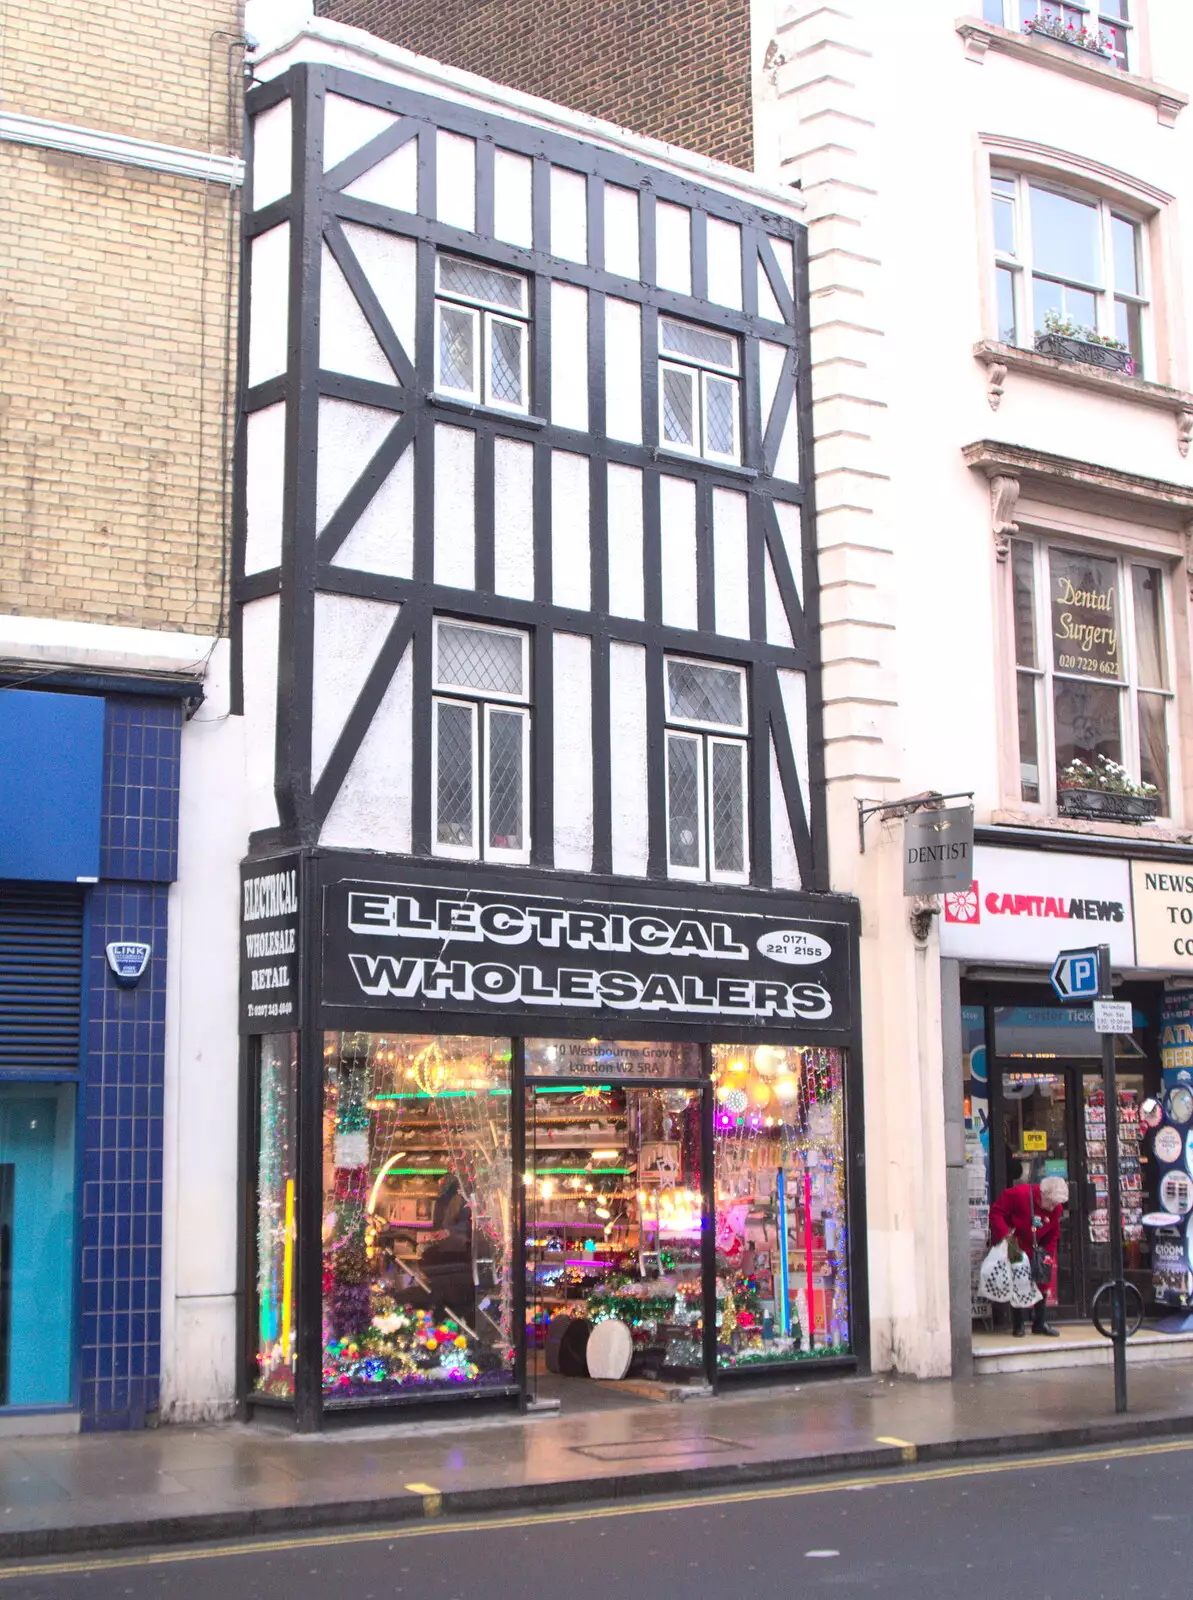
1035	1105
510	1136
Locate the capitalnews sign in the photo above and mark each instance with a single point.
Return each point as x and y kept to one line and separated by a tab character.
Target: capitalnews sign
424	947
1023	906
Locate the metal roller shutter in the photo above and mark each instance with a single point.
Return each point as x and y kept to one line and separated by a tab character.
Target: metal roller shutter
41	978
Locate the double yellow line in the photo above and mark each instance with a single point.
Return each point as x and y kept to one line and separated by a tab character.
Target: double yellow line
432	1529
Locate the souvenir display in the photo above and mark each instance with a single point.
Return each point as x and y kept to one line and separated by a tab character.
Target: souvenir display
1176	1193
1180	1104
1168	1144
1151	1113
1129	1165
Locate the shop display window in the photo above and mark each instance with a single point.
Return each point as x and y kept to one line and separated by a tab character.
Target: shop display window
614	1217
417	1186
781	1228
37	1242
276	1208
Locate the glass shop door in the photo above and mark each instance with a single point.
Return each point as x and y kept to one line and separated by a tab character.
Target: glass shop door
1039	1135
614	1223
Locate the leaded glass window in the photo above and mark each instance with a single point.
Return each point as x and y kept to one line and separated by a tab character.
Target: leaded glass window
481	732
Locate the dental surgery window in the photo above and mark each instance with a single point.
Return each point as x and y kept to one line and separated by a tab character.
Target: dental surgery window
482	334
706	752
1071	266
1094	678
481	742
1102	28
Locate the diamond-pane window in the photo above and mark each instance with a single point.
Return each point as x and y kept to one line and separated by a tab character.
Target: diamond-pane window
698	344
482	742
679	407
472	281
720	417
457	349
707	794
699	692
683	801
505	731
454	775
484	659
482	350
727	808
507	343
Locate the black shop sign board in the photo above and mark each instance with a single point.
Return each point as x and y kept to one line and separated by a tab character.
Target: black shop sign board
580	953
269	945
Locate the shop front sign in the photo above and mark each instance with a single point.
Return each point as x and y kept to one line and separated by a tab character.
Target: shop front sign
269	946
1163	895
406	946
1023	906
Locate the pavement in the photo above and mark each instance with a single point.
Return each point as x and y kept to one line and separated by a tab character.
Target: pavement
1105	1524
175	1484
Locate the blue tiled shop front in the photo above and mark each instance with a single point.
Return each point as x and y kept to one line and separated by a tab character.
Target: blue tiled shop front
116	1325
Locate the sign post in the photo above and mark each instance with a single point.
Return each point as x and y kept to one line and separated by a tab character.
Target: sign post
1084	975
1118	1294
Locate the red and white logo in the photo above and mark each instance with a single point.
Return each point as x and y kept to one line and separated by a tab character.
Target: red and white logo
964	905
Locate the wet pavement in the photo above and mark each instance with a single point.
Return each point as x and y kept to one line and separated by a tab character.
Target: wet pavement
175	1483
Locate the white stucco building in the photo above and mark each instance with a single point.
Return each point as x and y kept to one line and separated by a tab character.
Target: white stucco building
989	496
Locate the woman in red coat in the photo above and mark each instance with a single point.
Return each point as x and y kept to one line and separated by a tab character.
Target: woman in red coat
1032	1212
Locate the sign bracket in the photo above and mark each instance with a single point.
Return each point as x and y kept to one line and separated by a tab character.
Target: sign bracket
889	810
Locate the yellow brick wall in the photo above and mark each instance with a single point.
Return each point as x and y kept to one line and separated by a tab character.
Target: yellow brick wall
112	328
157	69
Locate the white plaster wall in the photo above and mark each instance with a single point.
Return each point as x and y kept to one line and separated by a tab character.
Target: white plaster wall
512	214
272	155
372	809
513	518
349	437
265	461
724	262
382	538
571	560
677	499
626	572
269	299
569	356
623	370
349	124
784	862
673	247
455	179
199	1189
731	590
388	261
259	628
573	752
455	506
778	629
628	757
392	181
621	231
346	342
349	633
569	214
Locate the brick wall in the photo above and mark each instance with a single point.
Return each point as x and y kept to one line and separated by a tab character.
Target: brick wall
112	296
674	69
152	68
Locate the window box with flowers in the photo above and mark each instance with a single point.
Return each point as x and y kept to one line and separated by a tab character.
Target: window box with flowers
1105	791
1053	26
1068	340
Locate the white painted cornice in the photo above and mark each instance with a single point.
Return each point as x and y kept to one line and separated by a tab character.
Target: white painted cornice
121	148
